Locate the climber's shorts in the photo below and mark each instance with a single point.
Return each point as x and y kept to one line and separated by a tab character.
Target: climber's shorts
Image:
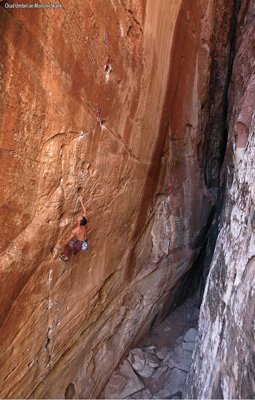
80	245
74	246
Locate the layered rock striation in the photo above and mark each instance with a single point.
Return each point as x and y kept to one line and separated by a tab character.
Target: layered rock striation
107	100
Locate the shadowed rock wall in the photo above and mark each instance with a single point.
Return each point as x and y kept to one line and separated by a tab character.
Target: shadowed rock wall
105	100
223	364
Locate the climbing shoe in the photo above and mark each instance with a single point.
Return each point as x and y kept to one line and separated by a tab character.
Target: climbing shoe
63	257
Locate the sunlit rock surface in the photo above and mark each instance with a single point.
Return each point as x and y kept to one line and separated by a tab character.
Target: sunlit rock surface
224	357
108	100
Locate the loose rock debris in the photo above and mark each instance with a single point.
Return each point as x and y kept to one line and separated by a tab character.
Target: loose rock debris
157	368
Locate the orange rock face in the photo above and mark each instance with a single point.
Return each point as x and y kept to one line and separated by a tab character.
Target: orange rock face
104	100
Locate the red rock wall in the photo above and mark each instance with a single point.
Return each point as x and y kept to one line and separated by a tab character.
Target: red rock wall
145	66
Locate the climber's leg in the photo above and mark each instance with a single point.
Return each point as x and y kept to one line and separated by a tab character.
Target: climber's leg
77	246
68	251
72	247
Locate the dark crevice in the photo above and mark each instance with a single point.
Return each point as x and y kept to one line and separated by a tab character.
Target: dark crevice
70	392
154	321
107	68
216	136
214	147
216	132
196	278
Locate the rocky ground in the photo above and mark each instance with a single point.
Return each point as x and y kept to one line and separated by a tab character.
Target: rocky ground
158	366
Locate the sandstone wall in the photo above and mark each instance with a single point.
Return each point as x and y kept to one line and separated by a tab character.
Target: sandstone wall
223	364
102	99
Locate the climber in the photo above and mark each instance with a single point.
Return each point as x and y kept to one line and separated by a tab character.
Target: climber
77	241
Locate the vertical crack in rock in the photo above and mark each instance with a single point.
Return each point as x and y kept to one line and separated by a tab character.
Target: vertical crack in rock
215	133
223	364
50	305
222	55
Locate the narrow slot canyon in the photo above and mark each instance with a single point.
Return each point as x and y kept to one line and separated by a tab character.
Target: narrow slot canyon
127	248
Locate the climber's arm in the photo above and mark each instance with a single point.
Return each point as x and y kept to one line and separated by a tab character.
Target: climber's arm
84	211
